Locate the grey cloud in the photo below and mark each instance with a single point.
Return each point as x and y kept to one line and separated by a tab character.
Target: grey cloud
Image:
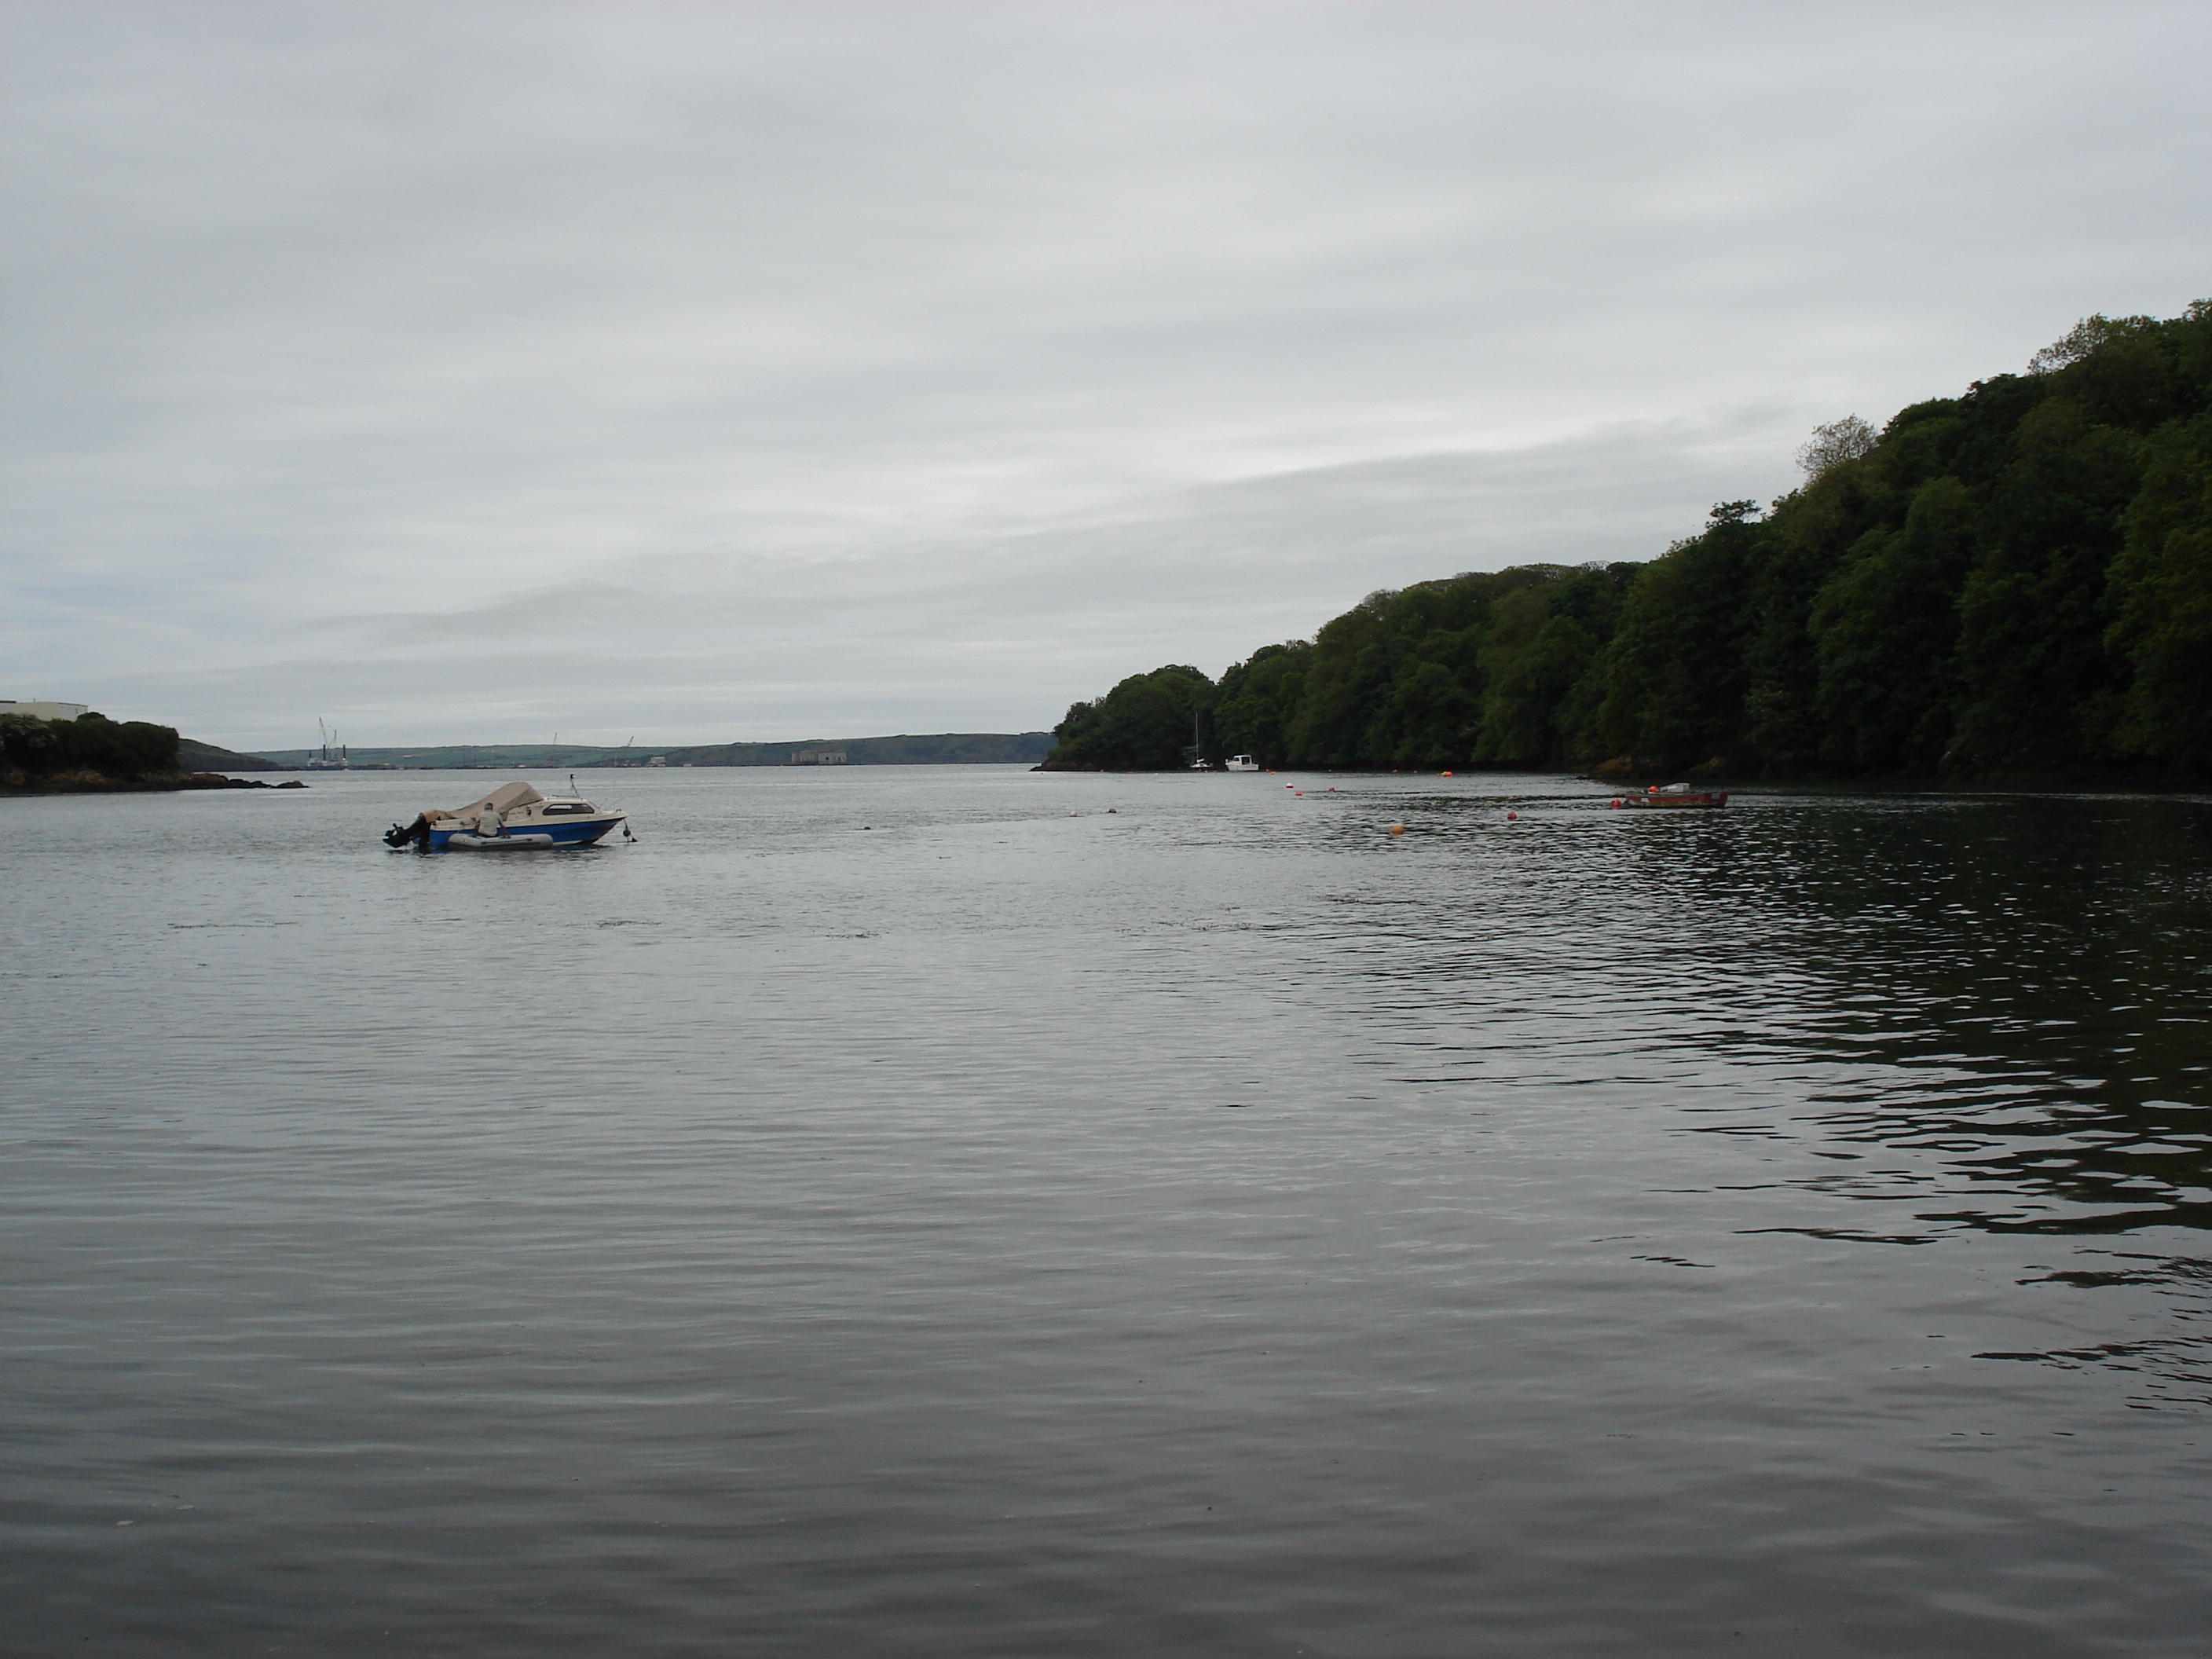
1000	630
1137	332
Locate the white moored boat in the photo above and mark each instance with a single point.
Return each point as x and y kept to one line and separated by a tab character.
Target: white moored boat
512	818
1240	764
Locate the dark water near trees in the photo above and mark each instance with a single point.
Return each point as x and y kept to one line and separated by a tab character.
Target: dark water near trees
1217	1227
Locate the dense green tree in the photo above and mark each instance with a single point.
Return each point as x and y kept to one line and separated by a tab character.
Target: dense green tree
1344	687
2038	685
1805	538
1148	723
2162	596
1836	443
1259	699
1674	670
1884	630
122	749
1539	641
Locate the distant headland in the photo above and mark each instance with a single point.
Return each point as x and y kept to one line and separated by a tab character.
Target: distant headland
940	749
66	749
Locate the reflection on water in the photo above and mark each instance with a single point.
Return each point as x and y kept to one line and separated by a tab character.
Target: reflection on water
2019	986
922	1211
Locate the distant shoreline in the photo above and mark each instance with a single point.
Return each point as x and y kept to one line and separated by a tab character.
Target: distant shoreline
934	749
175	784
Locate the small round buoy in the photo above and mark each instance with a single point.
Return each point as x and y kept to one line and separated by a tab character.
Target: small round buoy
1444	775
1511	816
1300	794
1616	806
1397	828
1113	809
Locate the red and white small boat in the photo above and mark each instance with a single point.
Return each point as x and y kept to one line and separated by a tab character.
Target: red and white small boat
1674	794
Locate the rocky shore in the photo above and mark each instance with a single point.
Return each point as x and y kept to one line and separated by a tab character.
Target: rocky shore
88	783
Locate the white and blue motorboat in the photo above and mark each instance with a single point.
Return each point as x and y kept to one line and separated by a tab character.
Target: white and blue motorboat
512	818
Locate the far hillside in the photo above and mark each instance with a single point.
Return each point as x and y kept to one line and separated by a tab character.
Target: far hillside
942	748
196	756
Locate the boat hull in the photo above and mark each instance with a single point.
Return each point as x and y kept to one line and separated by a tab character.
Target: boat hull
1678	802
571	832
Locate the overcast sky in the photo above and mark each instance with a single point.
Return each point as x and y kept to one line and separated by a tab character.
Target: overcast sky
470	372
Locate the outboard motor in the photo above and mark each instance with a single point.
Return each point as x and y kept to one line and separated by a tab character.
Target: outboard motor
417	832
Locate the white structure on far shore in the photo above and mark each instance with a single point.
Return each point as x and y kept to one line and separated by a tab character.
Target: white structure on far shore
45	711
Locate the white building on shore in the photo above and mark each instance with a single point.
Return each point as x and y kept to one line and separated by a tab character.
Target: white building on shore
45	711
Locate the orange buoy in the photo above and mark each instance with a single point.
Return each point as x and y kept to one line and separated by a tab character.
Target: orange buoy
1616	806
1444	775
1397	828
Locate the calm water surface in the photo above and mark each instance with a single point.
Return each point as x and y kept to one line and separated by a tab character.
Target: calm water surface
921	1211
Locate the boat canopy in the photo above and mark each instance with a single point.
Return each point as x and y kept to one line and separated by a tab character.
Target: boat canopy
502	800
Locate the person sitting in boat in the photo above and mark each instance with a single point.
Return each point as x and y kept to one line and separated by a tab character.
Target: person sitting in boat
488	822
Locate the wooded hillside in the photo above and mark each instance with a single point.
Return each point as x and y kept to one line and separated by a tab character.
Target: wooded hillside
2018	580
92	745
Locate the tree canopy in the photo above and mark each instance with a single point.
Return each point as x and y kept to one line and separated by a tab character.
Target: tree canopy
1148	723
37	749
